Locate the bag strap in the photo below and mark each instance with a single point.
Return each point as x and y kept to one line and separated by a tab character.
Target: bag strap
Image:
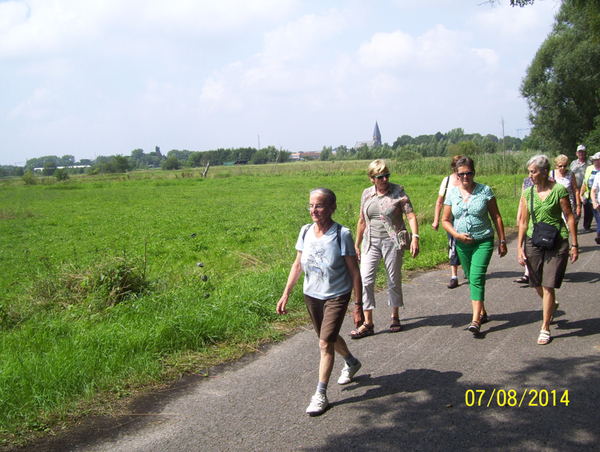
446	189
531	209
533	213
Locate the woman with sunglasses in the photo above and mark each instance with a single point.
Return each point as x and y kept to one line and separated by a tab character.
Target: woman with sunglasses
466	216
381	234
566	177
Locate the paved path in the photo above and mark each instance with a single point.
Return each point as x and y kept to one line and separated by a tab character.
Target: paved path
410	393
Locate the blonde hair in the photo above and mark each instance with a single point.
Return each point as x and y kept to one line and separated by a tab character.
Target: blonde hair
377	167
561	159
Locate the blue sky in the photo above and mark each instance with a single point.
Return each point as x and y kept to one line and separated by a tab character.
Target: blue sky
103	78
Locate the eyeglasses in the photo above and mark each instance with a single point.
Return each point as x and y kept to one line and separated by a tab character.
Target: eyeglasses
382	176
315	206
467	173
561	166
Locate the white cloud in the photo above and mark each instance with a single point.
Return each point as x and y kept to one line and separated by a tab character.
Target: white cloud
36	107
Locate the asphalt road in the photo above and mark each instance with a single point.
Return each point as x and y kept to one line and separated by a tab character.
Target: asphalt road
414	389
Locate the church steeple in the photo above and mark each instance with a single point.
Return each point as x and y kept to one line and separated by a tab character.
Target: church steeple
376	135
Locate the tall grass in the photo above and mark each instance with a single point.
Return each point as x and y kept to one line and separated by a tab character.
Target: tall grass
104	286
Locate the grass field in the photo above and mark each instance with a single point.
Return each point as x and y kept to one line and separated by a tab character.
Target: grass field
102	288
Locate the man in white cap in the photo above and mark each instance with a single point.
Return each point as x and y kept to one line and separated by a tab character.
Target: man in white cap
578	167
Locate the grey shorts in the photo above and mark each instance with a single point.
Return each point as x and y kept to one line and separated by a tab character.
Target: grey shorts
547	267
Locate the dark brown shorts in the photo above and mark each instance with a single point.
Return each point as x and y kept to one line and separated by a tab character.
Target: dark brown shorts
327	315
547	267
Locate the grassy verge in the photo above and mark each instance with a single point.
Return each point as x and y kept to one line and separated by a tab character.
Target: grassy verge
103	291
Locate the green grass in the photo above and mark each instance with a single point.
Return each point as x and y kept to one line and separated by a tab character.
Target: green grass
101	291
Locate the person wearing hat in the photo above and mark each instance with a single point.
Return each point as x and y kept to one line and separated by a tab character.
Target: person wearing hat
578	168
591	173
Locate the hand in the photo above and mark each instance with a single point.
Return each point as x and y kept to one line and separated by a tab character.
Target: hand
357	249
521	257
414	247
435	225
465	238
281	304
502	249
595	205
358	315
574	254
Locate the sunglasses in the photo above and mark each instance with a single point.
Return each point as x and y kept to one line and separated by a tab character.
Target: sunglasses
467	173
382	176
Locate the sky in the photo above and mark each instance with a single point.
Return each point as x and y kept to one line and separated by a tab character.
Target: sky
92	78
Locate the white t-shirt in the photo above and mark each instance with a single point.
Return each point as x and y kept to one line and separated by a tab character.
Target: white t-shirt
323	262
596	185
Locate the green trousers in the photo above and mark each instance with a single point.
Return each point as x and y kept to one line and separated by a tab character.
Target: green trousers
475	259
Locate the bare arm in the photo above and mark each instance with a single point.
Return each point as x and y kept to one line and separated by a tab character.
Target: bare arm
414	227
577	194
295	273
565	205
360	232
594	197
497	219
523	223
439	206
358	313
447	218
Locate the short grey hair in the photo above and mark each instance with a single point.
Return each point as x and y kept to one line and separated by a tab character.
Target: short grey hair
329	195
541	162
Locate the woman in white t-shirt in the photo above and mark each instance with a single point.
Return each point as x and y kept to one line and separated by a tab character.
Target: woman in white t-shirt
448	183
327	256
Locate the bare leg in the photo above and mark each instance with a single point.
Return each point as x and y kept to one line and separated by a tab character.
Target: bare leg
478	310
549	306
454	269
327	359
369	317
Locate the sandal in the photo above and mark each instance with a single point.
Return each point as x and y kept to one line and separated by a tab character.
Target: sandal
523	280
474	327
483	319
395	327
544	337
368	331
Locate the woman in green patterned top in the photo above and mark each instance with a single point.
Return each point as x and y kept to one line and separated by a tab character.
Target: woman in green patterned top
546	266
469	210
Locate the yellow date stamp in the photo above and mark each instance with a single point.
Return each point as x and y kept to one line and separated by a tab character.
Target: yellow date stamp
514	398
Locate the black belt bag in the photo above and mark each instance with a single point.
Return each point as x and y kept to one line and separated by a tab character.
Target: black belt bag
544	234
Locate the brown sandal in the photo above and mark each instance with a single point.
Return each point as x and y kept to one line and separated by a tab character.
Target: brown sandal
358	334
395	327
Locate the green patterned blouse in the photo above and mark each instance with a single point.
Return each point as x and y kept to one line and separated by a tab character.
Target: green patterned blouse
548	210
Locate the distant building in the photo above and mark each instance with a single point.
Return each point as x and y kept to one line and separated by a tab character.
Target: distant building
370	144
306	155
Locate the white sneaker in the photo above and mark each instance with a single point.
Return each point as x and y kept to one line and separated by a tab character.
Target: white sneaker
348	372
318	404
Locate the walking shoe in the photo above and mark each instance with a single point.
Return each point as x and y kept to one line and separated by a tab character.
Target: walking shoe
474	327
453	284
348	372
597	239
318	404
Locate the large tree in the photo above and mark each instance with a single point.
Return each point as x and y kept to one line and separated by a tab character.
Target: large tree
562	84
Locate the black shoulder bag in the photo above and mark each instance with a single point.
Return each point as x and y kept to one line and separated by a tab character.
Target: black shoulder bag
544	234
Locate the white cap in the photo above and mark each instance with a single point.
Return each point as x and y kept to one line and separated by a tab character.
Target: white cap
596	156
581	147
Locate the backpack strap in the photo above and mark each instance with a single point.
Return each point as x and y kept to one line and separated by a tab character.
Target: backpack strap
338	234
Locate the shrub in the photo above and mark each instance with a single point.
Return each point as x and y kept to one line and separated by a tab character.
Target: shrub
61	174
29	178
171	163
